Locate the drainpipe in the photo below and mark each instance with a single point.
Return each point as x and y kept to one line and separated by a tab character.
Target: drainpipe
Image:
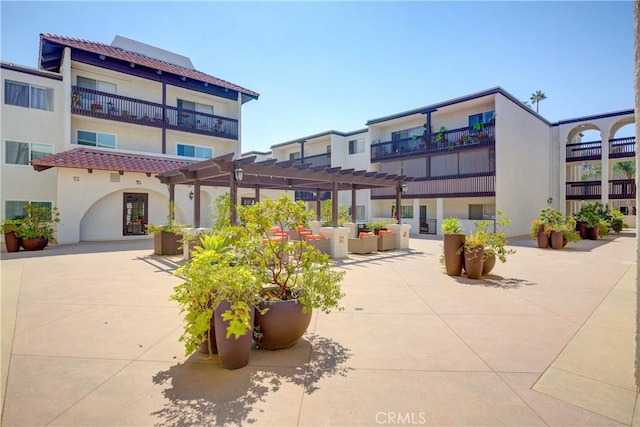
164	118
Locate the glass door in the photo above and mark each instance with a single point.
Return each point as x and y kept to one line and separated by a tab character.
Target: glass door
134	212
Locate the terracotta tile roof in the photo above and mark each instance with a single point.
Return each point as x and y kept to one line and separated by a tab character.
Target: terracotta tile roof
138	59
87	158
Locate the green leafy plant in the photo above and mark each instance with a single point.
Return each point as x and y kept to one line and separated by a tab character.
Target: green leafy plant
379	225
490	237
451	225
172	226
325	214
38	222
10	225
617	220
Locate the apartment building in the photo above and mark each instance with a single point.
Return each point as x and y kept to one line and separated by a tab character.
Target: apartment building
473	156
98	121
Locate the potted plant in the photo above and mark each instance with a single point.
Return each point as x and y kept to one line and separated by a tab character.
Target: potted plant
218	301
486	246
11	239
37	228
167	238
376	226
474	255
296	277
591	214
453	240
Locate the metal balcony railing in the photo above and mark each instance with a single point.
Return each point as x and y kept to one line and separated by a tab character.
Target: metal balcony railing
310	196
618	147
472	185
590	190
438	142
102	105
323	159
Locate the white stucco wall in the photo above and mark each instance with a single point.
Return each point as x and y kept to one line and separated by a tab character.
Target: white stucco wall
522	164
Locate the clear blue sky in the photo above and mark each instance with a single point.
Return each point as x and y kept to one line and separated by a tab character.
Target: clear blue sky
335	65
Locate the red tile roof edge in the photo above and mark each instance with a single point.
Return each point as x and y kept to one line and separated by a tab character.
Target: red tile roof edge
139	59
87	158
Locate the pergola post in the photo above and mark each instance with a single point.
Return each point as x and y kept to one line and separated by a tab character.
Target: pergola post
334	203
172	200
257	196
233	195
318	206
196	203
353	204
399	203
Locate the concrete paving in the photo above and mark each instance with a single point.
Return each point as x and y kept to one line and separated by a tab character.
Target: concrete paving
89	338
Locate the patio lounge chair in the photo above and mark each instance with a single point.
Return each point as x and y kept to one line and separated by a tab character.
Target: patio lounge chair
386	241
364	244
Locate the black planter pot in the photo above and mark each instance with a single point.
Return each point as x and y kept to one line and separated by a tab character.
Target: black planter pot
282	325
232	353
35	244
211	338
593	233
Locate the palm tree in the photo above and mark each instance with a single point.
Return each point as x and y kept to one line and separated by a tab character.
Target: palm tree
536	97
628	168
526	103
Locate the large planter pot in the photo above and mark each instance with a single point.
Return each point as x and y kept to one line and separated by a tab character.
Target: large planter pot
211	338
543	239
593	232
232	353
453	258
473	262
582	228
12	241
282	325
167	243
35	244
488	265
557	239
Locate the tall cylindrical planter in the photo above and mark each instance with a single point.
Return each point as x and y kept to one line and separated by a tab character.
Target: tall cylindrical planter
593	232
488	265
543	239
474	262
557	239
232	353
210	340
282	324
453	257
12	241
582	228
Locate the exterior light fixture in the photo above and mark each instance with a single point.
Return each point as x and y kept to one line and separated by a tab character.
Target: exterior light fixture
549	201
238	173
404	188
191	195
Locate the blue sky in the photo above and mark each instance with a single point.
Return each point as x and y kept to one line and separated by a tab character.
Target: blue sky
335	65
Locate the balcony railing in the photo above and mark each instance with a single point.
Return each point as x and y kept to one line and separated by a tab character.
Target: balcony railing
475	185
317	160
102	105
310	196
450	140
618	147
590	190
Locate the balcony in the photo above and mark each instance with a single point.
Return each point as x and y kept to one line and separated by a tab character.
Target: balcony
618	148
475	185
102	105
310	196
317	160
441	142
592	190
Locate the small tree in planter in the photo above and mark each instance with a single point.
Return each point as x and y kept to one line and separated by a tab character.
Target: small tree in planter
38	227
553	229
454	239
10	228
486	245
167	239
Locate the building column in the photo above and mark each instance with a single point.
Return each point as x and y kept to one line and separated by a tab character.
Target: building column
562	179
604	174
439	213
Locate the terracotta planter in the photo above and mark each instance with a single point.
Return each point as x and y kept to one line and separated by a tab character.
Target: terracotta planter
488	265
582	228
282	325
557	239
453	260
35	244
167	243
12	241
593	232
473	262
232	353
543	239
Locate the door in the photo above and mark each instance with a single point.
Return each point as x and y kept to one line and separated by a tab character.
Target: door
134	213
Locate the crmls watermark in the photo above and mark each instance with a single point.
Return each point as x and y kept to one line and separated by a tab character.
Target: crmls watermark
401	418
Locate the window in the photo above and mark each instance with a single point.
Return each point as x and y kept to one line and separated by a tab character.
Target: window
25	95
407	133
356	146
294	156
134	213
194	106
14	209
21	153
96	85
195	151
96	139
477	120
480	212
359	212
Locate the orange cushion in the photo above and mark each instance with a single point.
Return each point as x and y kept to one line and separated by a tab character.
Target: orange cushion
305	233
276	229
301	228
365	234
385	232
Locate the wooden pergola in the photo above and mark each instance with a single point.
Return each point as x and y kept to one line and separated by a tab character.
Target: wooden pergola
224	171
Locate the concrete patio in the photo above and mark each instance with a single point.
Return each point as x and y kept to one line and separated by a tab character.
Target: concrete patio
90	338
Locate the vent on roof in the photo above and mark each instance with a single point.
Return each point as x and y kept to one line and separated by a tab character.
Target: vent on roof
152	52
114	177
